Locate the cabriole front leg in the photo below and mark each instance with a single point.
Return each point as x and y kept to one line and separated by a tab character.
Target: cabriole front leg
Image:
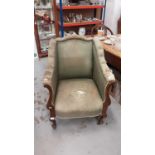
50	106
52	117
106	104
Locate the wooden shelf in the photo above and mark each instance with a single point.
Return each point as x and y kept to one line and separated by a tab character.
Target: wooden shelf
77	7
42	8
82	23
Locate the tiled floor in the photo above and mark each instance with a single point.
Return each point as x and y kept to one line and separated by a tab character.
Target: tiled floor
76	136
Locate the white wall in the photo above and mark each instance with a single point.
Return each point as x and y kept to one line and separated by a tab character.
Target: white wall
113	11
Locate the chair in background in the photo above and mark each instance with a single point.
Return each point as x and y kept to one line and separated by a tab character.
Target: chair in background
101	26
78	79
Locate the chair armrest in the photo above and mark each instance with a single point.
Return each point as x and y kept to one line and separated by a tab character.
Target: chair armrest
50	76
50	79
102	74
107	73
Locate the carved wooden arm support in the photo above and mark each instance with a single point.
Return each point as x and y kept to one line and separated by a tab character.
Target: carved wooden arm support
50	103
50	106
107	102
110	80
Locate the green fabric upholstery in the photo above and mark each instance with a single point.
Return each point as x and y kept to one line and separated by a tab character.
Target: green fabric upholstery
74	59
78	75
51	73
98	76
77	98
102	74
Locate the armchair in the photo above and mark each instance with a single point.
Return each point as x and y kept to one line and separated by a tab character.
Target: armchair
78	79
105	28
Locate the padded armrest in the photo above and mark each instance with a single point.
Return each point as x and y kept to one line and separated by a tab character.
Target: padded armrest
50	76
102	74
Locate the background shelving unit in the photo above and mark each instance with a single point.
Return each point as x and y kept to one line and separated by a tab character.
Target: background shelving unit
80	7
81	23
60	11
42	29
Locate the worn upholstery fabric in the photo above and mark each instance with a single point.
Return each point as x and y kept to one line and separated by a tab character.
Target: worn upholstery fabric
78	76
74	59
51	74
102	74
106	71
77	98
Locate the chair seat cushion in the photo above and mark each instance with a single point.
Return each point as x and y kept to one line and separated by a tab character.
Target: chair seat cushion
77	98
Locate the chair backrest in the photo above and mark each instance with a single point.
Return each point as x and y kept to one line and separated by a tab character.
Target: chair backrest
97	27
74	57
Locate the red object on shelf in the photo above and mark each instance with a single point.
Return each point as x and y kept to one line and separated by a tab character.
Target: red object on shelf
82	23
40	53
76	7
36	33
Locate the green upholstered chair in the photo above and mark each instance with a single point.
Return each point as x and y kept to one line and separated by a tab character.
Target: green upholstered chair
78	79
